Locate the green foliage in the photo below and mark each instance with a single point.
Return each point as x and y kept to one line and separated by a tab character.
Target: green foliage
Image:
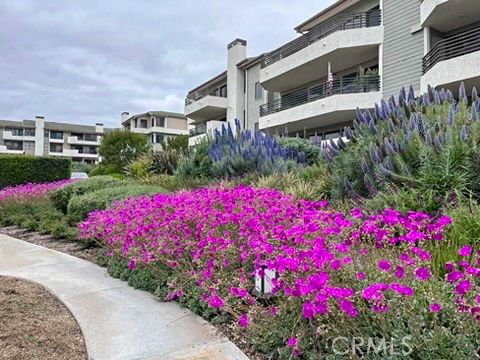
311	151
177	143
102	169
138	168
197	164
80	206
22	169
426	148
120	147
61	197
174	183
82	167
155	163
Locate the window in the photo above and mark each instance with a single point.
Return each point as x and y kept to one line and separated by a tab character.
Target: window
143	123
90	137
223	91
14	145
157	138
258	91
136	123
160	121
29	132
56	135
56	148
15	131
257	126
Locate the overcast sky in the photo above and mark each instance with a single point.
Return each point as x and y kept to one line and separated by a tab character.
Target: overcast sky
86	61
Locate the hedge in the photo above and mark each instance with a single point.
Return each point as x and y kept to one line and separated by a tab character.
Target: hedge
80	206
61	197
15	170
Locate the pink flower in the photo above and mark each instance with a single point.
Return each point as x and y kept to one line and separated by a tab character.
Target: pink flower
422	273
465	251
244	321
292	342
454	276
308	310
216	301
361	275
400	272
435	307
463	287
384	265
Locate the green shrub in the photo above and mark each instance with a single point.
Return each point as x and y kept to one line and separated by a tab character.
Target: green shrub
311	151
24	169
81	205
197	164
103	169
61	197
82	167
174	183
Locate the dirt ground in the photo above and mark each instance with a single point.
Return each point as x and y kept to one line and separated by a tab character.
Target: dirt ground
35	325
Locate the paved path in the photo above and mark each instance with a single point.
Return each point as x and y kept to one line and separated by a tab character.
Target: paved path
118	322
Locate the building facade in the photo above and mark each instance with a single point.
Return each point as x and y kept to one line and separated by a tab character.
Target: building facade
158	126
352	54
43	138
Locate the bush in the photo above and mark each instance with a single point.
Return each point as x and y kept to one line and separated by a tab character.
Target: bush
429	144
197	164
174	183
311	151
61	197
102	169
81	205
82	167
17	170
165	162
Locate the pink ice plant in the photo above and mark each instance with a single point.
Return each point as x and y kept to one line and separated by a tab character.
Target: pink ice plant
30	190
221	237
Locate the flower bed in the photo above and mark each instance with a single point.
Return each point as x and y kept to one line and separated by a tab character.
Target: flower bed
337	272
31	190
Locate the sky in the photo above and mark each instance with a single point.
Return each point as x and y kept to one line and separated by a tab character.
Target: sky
88	61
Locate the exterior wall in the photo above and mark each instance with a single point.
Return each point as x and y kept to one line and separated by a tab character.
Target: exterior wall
403	46
252	108
237	52
174	123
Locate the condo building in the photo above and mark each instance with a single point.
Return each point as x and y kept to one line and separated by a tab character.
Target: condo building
43	138
158	126
352	54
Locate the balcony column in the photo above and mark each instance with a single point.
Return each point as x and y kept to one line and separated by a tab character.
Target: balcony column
380	66
39	135
427	40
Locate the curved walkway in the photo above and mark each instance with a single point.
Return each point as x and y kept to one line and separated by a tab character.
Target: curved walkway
117	321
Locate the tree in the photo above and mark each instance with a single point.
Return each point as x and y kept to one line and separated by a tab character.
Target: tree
120	147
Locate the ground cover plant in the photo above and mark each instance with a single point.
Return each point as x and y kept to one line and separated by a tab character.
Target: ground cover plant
353	273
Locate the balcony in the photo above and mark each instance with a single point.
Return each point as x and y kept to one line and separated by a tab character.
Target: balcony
206	108
324	105
452	60
73	153
448	15
8	135
5	150
200	131
347	39
74	140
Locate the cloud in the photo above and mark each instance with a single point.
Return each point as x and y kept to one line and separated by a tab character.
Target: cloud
87	61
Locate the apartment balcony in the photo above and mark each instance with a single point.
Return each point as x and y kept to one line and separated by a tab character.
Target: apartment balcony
348	40
73	153
8	135
160	130
448	15
74	140
56	140
206	108
320	106
4	150
453	60
201	130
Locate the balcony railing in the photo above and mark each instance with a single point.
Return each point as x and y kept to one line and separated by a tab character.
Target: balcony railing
320	31
213	91
340	86
199	130
451	47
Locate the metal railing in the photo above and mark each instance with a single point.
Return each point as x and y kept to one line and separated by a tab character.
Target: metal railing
199	130
213	91
340	86
451	47
320	31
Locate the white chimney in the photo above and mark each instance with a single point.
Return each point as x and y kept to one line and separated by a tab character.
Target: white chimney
39	135
98	128
125	116
236	52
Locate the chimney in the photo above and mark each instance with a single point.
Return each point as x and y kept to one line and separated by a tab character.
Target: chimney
125	116
99	128
39	135
236	52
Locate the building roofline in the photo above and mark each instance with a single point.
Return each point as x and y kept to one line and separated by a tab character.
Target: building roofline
249	62
325	14
209	82
157	113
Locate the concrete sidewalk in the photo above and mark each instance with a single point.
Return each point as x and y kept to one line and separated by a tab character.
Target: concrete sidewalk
118	322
